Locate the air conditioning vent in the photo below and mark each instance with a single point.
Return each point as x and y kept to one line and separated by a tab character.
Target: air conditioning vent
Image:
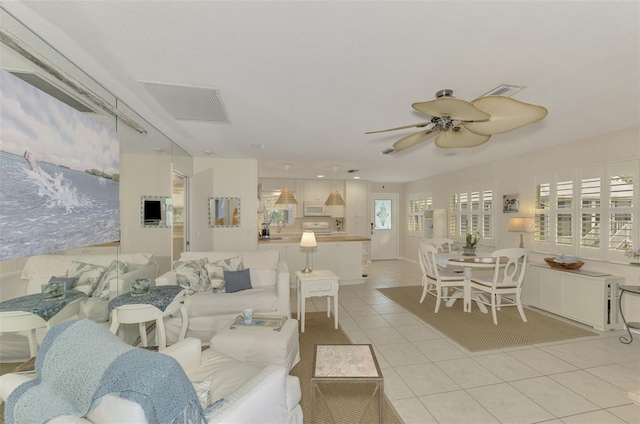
186	103
387	151
43	84
504	90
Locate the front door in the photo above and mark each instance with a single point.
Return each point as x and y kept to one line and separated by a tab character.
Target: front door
384	226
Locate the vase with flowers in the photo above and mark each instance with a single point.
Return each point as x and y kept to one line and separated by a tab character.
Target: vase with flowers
469	249
634	254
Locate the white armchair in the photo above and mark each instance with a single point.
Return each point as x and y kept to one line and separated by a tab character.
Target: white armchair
251	394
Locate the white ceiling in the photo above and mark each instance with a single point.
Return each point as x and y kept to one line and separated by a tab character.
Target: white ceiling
307	78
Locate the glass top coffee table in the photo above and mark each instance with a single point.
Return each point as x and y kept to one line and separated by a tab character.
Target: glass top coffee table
346	364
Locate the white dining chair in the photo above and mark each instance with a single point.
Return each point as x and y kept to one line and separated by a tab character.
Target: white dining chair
441	244
506	283
435	281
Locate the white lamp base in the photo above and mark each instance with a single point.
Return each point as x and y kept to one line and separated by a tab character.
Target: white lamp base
521	240
307	270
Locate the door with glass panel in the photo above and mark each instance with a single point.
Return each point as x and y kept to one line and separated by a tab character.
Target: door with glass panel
384	226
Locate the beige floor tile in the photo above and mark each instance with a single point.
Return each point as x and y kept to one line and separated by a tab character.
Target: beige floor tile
382	336
371	321
399	354
456	408
418	332
595	417
426	379
468	373
412	411
509	405
394	387
554	397
398	320
628	413
593	388
439	350
506	367
618	375
542	361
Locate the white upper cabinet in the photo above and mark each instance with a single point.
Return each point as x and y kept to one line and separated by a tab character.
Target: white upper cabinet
316	190
356	199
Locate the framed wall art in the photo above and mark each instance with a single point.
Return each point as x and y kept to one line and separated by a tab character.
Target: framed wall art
510	203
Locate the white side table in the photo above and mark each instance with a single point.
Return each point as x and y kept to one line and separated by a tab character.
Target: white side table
316	284
141	313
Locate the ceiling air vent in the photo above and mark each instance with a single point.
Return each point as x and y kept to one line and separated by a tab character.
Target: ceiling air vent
186	103
43	84
504	90
387	151
351	171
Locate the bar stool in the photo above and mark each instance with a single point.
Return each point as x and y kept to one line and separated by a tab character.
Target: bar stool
142	313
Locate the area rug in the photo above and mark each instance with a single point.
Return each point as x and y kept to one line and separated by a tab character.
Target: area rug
347	402
475	331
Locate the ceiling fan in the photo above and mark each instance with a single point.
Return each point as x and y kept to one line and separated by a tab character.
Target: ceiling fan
458	123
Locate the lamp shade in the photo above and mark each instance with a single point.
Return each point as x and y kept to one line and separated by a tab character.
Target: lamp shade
334	199
521	225
286	198
308	239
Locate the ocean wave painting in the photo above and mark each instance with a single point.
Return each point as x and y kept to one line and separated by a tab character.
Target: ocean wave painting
59	175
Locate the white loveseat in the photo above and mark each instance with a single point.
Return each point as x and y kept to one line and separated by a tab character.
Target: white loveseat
252	394
209	312
40	268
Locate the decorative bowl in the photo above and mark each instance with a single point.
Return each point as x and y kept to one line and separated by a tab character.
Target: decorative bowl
564	265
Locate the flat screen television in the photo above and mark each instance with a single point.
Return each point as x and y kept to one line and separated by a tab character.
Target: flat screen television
152	212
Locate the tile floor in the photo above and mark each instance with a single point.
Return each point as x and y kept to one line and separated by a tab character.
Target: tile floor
431	379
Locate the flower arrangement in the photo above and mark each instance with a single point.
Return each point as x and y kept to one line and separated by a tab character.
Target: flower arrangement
472	239
634	254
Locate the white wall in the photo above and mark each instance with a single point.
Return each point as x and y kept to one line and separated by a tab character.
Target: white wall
224	178
515	175
144	175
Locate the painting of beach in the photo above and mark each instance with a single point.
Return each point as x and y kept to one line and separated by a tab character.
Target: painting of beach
59	174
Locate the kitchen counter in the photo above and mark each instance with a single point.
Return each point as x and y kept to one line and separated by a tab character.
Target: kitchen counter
321	239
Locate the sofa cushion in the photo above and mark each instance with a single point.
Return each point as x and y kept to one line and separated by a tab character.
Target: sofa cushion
225	374
263	277
254	259
236	281
192	276
206	304
95	309
88	275
114	270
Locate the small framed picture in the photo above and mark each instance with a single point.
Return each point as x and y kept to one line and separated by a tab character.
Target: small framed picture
510	203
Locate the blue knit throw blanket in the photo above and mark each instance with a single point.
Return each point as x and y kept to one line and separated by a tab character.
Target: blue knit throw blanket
80	362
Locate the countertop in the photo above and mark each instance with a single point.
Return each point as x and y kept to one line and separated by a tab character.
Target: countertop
296	239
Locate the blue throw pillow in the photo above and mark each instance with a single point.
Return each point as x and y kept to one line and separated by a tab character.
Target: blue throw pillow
68	281
236	281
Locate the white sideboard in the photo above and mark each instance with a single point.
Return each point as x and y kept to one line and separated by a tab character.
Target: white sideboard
584	297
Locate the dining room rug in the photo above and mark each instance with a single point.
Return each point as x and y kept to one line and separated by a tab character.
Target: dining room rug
346	401
475	331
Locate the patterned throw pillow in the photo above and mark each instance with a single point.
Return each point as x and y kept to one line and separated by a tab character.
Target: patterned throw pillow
101	289
216	271
88	275
68	281
192	276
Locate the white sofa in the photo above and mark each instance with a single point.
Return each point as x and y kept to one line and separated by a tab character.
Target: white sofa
40	268
209	312
252	394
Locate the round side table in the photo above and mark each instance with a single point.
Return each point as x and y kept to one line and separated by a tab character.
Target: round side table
628	325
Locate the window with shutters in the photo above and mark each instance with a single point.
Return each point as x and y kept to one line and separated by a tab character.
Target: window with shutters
417	203
472	210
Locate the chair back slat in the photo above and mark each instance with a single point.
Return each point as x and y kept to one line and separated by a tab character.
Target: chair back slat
516	263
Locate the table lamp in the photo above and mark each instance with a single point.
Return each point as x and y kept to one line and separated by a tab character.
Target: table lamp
308	240
521	225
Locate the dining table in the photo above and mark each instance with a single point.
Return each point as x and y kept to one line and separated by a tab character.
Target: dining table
468	263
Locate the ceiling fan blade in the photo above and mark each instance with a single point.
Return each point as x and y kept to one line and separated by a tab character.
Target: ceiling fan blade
456	109
459	139
413	139
507	114
420	125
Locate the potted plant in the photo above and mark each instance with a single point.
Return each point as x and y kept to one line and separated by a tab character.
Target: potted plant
634	254
470	243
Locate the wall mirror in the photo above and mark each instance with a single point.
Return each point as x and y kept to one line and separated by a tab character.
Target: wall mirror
156	211
224	211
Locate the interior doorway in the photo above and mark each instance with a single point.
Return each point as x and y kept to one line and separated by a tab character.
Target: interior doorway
384	226
180	234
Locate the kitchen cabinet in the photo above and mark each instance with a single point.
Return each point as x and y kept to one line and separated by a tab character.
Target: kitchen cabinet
357	227
584	297
342	258
435	223
356	199
316	190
